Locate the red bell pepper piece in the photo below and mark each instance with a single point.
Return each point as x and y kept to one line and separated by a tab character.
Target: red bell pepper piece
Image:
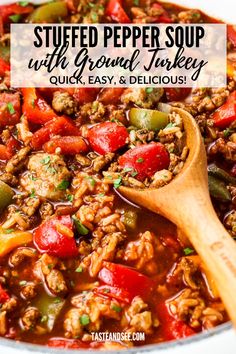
107	137
14	9
126	279
10	109
58	342
60	126
85	95
231	34
68	145
116	12
113	292
146	159
35	108
226	114
177	94
163	17
4	67
9	150
170	327
3	295
50	238
110	95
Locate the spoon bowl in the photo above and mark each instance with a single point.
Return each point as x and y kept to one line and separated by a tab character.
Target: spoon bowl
186	202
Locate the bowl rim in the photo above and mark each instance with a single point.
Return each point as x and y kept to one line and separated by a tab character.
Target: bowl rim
147	348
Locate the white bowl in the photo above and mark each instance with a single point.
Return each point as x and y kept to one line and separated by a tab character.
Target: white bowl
219	340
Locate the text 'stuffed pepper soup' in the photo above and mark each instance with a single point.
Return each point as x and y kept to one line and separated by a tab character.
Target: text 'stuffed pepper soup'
74	257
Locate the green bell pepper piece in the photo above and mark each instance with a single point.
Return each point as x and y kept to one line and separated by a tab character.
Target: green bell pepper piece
218	189
218	172
49	13
148	119
129	219
6	194
50	308
5	53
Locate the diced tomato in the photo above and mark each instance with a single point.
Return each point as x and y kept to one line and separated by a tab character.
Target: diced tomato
9	150
4	153
107	137
146	159
113	292
85	95
177	94
170	327
226	114
60	126
58	342
35	108
50	238
68	145
14	9
116	12
126	279
110	95
231	33
163	17
4	67
3	295
10	109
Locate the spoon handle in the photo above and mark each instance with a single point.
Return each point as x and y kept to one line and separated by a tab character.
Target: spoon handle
217	250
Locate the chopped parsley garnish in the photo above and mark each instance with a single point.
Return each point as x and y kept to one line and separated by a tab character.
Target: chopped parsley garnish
44	319
23	3
91	180
32	194
57	300
84	320
79	269
100	195
188	251
70	197
227	132
134	173
128	169
82	230
63	185
9	231
117	182
33	103
170	125
149	89
94	17
15	18
116	308
139	160
46	160
11	108
32	178
136	2
22	282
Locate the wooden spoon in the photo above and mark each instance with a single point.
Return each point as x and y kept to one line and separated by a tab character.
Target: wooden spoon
186	202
